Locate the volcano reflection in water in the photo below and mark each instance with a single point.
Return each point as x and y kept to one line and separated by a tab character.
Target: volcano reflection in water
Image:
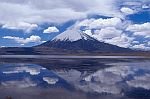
87	79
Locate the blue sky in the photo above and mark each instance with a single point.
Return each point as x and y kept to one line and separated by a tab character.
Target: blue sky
124	23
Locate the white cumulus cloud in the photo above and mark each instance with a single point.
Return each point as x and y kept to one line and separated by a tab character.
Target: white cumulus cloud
108	33
126	10
51	30
27	27
141	46
140	29
101	23
31	39
121	41
108	30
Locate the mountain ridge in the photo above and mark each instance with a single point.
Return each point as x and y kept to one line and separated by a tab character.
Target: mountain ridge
78	40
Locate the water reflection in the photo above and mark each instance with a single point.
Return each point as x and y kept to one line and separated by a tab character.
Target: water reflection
28	75
114	80
87	80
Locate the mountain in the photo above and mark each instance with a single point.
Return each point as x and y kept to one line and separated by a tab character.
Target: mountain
73	42
77	40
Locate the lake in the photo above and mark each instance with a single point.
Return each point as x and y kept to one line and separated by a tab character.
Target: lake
74	77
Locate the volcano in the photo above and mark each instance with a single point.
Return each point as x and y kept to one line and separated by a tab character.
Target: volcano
77	40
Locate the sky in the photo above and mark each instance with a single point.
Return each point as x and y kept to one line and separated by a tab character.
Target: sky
125	23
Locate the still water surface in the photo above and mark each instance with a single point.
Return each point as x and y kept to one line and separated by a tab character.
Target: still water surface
75	78
69	56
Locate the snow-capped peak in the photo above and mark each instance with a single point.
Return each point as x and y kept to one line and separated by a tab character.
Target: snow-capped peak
71	35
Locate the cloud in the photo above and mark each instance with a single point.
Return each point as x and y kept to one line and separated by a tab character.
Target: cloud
140	82
30	13
148	43
72	76
145	6
58	11
2	46
141	46
126	10
13	13
75	77
108	33
132	3
51	30
136	5
110	30
31	39
101	23
25	83
26	27
31	70
50	80
140	29
135	42
122	41
111	35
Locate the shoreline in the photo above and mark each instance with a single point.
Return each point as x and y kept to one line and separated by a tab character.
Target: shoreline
72	57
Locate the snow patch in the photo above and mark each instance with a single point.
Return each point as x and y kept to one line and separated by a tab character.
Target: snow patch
71	34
